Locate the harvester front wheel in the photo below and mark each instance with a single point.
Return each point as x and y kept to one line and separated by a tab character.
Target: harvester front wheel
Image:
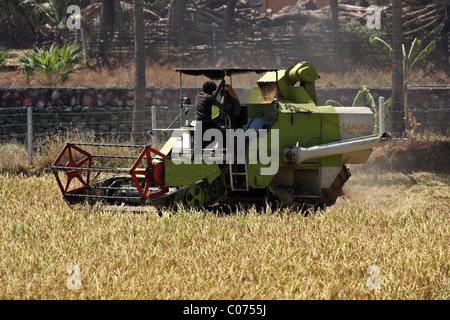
195	197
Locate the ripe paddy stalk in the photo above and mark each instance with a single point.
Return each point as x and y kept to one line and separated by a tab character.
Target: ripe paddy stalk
402	228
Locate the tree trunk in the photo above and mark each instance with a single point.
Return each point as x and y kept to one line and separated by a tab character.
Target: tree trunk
229	15
177	10
397	125
176	13
119	13
334	15
335	26
405	101
106	25
139	80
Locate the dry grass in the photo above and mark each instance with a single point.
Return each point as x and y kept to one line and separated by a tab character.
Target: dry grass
164	76
14	158
388	221
397	222
376	77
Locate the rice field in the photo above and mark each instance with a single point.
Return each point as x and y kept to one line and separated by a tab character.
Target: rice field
396	224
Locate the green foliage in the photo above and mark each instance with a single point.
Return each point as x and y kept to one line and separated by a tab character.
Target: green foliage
409	59
55	64
26	66
70	57
3	56
382	44
333	103
415	55
365	93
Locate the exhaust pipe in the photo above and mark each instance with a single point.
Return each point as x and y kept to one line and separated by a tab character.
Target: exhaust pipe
297	155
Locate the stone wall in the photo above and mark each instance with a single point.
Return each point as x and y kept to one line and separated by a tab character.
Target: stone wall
109	110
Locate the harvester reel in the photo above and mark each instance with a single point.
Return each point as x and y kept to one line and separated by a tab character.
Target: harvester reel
135	184
70	169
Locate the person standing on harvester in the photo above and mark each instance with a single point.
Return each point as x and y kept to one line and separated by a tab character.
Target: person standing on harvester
203	106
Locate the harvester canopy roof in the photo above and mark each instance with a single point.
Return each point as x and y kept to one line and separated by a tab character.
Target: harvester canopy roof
219	73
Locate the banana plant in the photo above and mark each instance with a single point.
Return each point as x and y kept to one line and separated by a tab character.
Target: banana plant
409	60
365	93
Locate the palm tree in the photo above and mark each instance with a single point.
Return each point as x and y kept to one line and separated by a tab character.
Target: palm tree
26	66
56	64
139	80
408	61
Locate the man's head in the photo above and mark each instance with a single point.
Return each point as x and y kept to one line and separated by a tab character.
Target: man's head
209	87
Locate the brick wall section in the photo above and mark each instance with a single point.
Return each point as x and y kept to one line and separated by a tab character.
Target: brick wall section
108	110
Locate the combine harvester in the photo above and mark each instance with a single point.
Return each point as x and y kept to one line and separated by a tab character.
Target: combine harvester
288	150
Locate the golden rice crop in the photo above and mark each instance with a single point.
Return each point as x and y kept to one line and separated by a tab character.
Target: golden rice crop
396	222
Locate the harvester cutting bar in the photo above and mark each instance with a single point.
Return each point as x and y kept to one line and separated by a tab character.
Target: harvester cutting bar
93	196
129	200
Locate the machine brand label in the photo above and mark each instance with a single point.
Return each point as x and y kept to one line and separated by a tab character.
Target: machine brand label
359	129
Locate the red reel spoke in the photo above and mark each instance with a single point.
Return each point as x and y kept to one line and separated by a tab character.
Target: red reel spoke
70	154
148	172
81	162
72	173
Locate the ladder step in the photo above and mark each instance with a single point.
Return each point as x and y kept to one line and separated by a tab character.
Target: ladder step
241	171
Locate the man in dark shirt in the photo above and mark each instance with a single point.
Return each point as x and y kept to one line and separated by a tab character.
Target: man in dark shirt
203	106
206	99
